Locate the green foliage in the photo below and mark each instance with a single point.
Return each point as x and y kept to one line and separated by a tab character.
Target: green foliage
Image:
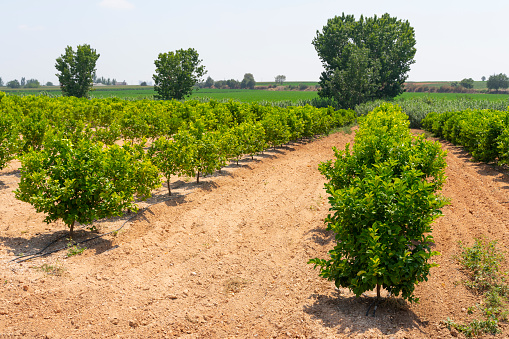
177	73
74	249
33	83
76	70
417	108
33	128
171	156
84	181
383	195
481	263
9	138
207	156
484	133
467	83
280	79
365	59
208	83
497	81
248	81
13	84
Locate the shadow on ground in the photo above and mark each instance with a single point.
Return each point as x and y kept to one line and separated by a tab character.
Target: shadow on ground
392	314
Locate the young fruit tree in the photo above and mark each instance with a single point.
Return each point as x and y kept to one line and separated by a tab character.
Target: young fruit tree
9	138
383	196
171	156
84	181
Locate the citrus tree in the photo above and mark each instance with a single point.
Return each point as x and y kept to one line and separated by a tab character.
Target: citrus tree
84	181
383	196
172	156
9	138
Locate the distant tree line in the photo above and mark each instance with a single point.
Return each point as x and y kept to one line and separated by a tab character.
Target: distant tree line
23	83
495	83
247	83
104	81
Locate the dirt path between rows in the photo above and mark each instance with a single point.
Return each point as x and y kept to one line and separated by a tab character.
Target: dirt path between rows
228	258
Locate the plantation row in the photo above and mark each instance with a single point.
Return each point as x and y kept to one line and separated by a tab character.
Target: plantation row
417	108
484	133
29	120
74	169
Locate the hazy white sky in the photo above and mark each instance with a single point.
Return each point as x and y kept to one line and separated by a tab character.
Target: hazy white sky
455	39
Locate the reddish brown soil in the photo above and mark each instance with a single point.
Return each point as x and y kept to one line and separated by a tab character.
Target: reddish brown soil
228	258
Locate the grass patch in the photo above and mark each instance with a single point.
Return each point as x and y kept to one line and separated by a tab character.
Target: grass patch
481	263
74	249
56	269
235	285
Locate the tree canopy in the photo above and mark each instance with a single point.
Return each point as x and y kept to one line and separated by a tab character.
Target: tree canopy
76	70
279	79
365	59
467	83
497	81
177	73
248	81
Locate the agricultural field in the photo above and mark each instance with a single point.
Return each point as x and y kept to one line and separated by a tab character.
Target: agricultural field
477	84
147	92
246	95
454	96
222	254
228	257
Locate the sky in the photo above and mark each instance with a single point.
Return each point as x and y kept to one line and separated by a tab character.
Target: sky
455	39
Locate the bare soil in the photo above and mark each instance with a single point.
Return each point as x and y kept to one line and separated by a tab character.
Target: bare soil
228	258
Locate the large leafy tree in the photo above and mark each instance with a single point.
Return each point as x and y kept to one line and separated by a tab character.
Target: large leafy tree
248	81
364	59
497	81
76	70
177	73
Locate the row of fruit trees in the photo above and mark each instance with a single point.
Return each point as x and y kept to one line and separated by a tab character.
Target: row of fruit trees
83	160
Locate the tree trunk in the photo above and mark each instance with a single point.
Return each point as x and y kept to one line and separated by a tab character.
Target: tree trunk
378	291
168	183
71	231
198	177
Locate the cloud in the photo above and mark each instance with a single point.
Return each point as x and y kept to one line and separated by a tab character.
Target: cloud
116	4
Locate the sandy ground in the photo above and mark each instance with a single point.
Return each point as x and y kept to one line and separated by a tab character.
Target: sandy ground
228	258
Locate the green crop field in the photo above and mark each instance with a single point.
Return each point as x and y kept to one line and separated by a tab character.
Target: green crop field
144	92
247	95
250	95
452	96
477	84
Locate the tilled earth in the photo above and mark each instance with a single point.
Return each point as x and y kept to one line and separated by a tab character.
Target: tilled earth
228	258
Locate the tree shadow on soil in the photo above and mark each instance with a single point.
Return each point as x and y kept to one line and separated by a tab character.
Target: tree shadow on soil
392	314
3	184
321	236
47	243
14	172
43	244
